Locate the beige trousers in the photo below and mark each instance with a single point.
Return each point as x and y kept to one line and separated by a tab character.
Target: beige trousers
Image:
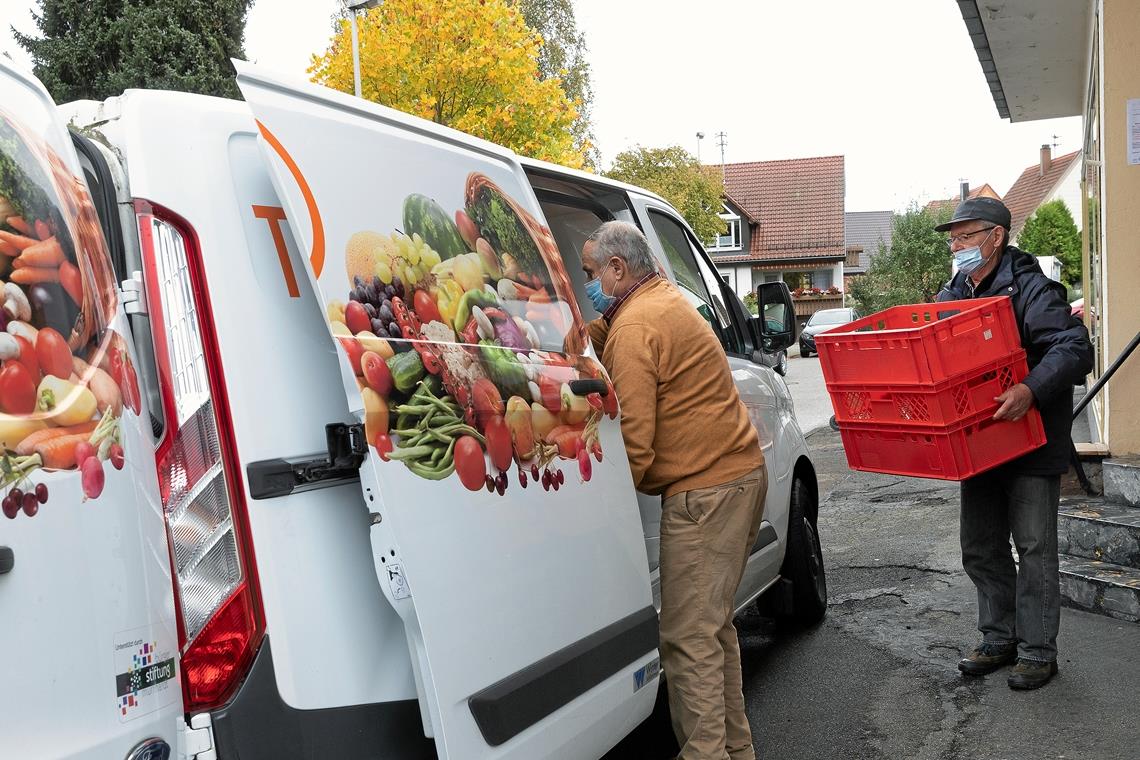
706	536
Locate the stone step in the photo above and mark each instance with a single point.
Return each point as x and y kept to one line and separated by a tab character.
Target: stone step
1101	587
1098	530
1122	480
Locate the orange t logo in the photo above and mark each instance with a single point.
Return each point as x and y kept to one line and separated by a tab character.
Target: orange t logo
274	215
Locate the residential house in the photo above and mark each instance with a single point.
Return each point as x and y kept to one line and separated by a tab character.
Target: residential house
785	222
1047	180
983	191
865	232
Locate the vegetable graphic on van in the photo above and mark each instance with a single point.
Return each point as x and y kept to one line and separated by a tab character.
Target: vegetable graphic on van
65	376
462	337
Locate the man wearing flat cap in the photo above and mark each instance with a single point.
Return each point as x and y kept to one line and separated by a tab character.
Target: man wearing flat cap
1019	606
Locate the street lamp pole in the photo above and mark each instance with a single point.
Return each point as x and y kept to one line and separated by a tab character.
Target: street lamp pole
352	9
700	136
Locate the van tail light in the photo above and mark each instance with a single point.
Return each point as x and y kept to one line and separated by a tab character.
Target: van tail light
218	600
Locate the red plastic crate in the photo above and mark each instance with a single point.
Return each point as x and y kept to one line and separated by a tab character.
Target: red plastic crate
947	403
955	452
923	343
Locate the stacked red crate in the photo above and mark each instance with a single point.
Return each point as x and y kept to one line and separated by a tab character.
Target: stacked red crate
913	388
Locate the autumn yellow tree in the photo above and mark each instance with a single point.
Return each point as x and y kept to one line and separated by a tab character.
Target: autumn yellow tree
469	64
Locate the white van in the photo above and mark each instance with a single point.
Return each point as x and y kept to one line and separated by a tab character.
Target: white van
328	466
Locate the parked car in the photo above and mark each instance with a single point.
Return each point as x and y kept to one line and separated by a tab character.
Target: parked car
303	437
822	321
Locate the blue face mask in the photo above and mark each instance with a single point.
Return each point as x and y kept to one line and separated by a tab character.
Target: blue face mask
600	300
969	260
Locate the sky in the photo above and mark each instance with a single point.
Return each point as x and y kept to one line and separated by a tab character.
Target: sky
893	85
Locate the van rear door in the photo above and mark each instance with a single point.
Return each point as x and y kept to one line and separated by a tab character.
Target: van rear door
88	638
526	600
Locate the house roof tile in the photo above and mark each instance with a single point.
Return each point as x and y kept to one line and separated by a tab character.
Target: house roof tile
1033	187
796	206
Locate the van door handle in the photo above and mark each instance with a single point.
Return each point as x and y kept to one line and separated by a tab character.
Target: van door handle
586	387
7	560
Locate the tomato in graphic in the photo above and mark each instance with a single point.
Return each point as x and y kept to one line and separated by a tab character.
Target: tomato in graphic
425	308
356	317
470	464
376	373
383	444
17	389
355	352
28	355
498	442
53	353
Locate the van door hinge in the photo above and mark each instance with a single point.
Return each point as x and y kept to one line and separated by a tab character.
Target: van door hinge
133	293
347	449
196	741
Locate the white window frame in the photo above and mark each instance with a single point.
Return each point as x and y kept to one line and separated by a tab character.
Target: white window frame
733	233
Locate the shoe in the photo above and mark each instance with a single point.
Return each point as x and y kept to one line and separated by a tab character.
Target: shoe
986	658
1030	674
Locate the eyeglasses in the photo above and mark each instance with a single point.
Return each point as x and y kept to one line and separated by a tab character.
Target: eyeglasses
963	237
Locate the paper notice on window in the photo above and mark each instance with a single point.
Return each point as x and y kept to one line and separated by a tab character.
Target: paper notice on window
1134	131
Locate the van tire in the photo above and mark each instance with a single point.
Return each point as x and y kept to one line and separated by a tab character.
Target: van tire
803	561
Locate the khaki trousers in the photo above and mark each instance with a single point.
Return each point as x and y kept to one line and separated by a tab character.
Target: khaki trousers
706	536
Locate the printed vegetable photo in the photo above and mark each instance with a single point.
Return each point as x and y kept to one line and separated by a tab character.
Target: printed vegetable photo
465	339
64	376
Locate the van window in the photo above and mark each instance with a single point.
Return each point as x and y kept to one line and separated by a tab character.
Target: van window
571	225
697	280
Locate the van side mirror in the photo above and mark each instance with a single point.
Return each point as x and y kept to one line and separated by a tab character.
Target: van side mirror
777	320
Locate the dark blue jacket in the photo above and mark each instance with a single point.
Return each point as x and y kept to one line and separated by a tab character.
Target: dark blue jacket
1057	344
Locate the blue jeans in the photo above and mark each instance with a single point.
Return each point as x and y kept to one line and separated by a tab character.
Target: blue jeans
1016	603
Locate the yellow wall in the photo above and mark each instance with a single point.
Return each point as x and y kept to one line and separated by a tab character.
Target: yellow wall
1121	283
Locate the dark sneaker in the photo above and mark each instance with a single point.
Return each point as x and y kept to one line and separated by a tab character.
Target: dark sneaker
986	658
1029	674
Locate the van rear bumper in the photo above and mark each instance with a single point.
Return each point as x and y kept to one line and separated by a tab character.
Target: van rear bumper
258	724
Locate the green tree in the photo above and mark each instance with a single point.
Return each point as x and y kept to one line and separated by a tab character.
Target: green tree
98	48
674	174
913	269
1051	231
564	57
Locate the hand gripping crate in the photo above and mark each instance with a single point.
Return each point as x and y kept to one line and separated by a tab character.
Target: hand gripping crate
924	343
931	404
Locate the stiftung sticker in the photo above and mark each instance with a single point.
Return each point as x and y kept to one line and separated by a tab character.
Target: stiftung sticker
146	672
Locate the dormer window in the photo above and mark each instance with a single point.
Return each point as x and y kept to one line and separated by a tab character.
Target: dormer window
730	239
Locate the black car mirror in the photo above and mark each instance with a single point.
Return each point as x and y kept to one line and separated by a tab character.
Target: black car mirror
777	320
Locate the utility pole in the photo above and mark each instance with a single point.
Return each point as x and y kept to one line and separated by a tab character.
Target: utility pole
722	141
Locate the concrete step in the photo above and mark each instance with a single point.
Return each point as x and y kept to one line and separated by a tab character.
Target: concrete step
1098	530
1122	480
1100	587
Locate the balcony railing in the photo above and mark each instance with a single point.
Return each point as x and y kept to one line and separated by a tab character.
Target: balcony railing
807	305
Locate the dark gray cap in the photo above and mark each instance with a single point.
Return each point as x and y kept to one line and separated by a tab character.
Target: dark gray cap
983	209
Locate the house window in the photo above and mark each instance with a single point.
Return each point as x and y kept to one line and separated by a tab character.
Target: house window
730	239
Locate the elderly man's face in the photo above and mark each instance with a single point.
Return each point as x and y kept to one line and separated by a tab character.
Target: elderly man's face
611	272
986	236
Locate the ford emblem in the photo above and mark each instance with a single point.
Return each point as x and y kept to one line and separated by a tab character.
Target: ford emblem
151	749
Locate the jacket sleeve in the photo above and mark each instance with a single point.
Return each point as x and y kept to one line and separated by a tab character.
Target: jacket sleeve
1059	338
633	353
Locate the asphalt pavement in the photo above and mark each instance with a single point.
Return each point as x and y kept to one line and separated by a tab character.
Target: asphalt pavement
878	678
809	395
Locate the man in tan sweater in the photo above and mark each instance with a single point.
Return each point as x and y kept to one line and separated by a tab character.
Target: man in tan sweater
689	439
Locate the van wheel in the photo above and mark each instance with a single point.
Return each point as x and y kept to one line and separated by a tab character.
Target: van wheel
803	562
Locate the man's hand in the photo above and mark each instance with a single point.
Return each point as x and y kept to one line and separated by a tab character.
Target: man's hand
1014	403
